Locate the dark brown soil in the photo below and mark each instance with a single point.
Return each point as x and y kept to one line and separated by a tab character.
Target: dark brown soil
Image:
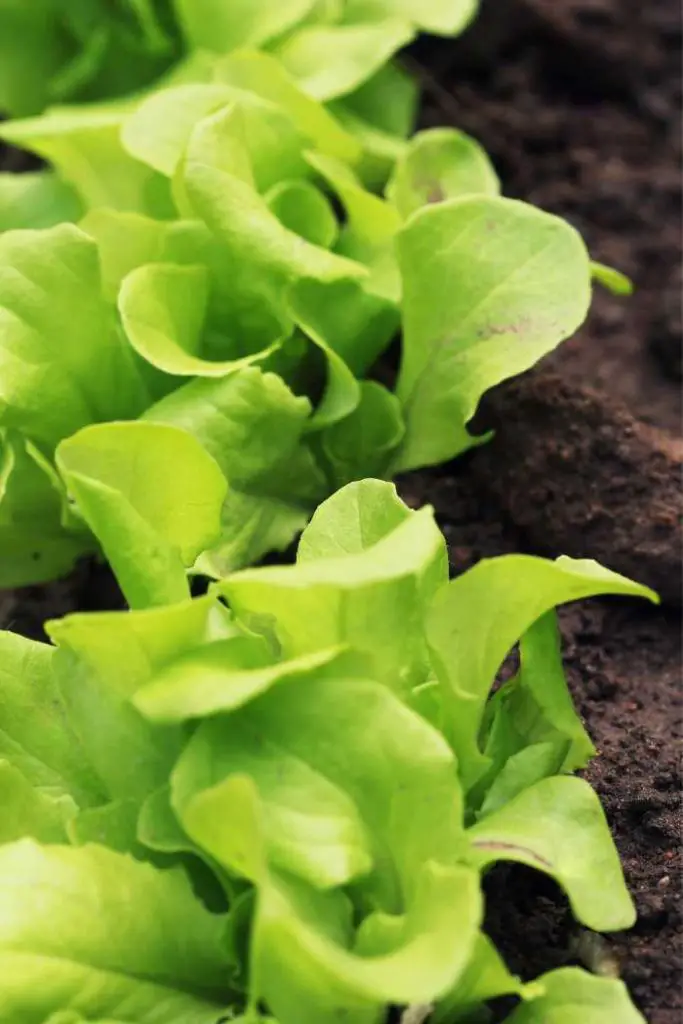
578	102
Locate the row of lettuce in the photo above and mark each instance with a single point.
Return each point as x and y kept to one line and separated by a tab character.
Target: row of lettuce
274	802
277	801
232	251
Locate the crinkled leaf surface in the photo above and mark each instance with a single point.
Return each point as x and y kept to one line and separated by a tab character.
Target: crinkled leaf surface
152	638
127	241
29	811
36	737
489	286
152	496
368	235
372	600
90	930
159	131
258	257
362	444
252	424
59	371
131	758
302	962
312	826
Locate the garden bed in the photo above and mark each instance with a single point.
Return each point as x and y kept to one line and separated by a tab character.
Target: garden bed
577	102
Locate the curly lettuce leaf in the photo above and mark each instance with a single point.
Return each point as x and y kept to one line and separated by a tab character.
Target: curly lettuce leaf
253	425
60	371
133	936
558	826
531	729
263	74
30	811
499	600
372	599
37	739
131	759
222	677
362	444
303	962
303	208
151	520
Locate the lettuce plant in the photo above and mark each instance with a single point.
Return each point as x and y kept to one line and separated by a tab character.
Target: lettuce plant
233	276
86	50
276	802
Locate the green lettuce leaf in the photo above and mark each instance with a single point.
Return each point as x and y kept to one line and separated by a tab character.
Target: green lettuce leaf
131	758
252	424
222	677
362	444
439	164
36	199
489	286
570	994
302	961
28	811
39	538
301	207
499	600
36	737
372	600
83	144
59	371
215	25
151	523
133	937
558	826
158	132
264	75
329	61
531	729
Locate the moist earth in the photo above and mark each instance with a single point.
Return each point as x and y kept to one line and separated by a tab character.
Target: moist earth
578	103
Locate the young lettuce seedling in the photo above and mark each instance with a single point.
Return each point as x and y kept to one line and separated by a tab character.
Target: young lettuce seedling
280	798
